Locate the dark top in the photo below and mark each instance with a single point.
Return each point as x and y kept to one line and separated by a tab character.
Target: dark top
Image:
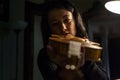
49	69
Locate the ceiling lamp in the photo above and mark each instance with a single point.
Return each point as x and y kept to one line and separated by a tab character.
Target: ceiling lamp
113	6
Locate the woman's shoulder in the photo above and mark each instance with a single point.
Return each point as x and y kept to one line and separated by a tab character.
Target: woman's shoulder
42	50
42	55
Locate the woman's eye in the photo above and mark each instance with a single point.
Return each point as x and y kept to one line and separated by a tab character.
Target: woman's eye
54	24
67	20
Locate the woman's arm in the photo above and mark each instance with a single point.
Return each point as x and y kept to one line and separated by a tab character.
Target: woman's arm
47	68
93	72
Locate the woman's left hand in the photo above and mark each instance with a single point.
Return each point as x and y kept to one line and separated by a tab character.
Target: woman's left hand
71	74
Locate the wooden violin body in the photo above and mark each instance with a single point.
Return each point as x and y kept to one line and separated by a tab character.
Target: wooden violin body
61	47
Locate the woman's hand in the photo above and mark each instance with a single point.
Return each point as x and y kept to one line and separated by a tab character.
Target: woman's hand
71	74
64	61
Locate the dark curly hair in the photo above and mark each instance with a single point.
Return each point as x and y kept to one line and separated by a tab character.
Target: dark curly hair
60	4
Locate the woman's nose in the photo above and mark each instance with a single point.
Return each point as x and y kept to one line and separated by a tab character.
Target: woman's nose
64	28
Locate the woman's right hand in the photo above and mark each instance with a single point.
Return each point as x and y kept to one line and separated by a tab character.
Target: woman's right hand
64	61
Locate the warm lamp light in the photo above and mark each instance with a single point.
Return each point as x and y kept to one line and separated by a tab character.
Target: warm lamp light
113	6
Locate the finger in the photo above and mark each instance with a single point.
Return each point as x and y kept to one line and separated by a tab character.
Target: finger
49	48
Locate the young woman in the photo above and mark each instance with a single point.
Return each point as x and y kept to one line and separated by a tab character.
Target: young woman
60	17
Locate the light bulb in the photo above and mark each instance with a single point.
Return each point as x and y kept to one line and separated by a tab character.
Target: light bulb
113	6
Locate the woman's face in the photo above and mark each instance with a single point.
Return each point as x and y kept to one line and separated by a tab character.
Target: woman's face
61	22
